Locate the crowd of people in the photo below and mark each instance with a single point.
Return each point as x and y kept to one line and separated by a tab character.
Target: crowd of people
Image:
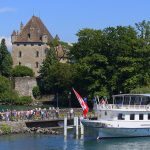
36	114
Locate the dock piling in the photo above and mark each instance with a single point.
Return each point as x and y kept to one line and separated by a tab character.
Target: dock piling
82	128
77	127
65	126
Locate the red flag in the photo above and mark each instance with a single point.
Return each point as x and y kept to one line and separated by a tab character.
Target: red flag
82	103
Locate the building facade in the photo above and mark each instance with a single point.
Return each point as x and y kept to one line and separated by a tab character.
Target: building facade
29	45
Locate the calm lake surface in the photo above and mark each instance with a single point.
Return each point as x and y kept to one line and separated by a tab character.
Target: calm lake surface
50	142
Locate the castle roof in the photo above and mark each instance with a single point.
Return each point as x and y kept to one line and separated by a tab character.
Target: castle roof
34	31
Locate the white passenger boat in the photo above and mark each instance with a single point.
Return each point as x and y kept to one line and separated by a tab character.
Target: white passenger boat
128	116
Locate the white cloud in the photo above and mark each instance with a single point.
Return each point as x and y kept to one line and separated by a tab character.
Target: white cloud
6	9
8	42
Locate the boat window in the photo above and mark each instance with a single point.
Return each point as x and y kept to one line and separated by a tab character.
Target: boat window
135	100
118	100
148	116
121	117
132	116
140	116
145	100
126	100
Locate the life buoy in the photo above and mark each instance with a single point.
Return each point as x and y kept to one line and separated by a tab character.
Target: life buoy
148	107
109	107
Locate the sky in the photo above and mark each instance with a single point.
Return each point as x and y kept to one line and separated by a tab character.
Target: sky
67	17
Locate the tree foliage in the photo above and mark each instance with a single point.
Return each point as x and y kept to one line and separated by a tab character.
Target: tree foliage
104	62
5	60
21	71
55	77
36	92
7	94
112	60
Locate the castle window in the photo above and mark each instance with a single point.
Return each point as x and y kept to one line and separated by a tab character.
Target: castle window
46	51
19	63
20	54
37	53
25	44
37	65
18	44
29	35
39	44
32	44
41	38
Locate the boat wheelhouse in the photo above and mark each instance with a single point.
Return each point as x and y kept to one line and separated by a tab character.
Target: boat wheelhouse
127	116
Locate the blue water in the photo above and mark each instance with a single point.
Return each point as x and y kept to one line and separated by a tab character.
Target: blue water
49	142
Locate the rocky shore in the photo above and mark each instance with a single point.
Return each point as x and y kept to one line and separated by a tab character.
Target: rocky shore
12	127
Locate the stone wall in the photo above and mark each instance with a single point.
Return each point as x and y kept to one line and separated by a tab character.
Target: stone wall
24	85
29	55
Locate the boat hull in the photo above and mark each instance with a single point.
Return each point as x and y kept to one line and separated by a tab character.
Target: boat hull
100	130
123	132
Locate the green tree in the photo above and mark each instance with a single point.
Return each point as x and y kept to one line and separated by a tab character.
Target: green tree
36	92
57	79
143	29
119	46
46	69
5	60
7	94
21	71
90	63
107	60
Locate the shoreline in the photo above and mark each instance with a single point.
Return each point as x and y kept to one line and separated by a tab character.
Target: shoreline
11	127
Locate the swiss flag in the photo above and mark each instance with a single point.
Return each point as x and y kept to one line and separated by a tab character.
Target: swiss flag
82	103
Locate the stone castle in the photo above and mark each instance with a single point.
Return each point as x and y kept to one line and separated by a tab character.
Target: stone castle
29	45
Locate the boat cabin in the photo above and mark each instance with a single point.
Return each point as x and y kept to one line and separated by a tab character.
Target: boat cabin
126	107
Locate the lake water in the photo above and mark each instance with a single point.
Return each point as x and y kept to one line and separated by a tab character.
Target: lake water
50	142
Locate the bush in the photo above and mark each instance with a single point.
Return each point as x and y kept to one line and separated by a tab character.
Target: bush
23	100
5	84
7	94
21	71
36	92
9	97
5	128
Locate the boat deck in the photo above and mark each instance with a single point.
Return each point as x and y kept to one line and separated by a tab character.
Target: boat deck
122	107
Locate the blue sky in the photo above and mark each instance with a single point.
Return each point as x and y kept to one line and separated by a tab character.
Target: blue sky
67	17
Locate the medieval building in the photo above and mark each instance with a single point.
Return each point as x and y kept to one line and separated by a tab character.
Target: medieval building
29	45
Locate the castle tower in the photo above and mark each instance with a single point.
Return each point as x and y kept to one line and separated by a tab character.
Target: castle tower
30	43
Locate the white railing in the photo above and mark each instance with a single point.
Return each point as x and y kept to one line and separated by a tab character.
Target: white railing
118	106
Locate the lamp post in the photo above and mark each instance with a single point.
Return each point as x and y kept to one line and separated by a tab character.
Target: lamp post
57	98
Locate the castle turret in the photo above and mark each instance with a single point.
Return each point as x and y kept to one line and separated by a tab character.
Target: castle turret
21	27
13	37
57	37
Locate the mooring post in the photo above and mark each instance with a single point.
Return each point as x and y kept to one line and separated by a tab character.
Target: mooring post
65	126
74	121
77	125
82	127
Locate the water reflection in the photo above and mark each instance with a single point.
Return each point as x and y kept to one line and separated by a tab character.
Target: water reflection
49	142
118	144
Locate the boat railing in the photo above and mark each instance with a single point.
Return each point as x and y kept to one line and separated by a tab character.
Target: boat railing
120	106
